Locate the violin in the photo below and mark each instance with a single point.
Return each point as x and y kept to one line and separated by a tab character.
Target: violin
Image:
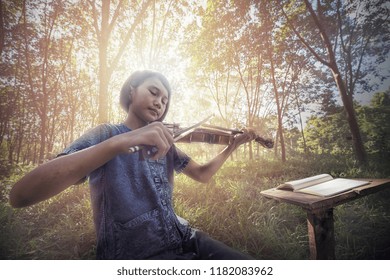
207	134
212	134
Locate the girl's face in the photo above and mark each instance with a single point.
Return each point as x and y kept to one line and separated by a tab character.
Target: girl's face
149	100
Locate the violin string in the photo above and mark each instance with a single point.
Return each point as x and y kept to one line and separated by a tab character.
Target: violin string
223	128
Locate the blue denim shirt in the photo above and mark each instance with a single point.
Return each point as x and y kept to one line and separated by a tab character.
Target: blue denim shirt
132	201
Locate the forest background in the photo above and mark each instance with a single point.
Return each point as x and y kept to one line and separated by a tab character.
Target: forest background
311	75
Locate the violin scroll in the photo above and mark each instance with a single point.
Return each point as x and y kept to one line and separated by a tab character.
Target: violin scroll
267	143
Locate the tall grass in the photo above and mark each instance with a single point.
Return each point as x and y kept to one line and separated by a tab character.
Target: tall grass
230	208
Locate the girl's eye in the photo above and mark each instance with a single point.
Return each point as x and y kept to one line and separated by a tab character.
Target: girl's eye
152	92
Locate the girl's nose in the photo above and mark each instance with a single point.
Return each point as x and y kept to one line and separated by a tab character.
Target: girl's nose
157	104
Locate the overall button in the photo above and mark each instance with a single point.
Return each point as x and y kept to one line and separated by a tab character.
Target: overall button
157	180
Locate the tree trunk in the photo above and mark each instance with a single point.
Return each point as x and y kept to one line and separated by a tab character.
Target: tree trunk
351	118
2	28
103	71
43	118
280	115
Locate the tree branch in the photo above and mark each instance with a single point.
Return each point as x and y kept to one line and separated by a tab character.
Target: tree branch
303	41
128	36
115	17
95	19
324	36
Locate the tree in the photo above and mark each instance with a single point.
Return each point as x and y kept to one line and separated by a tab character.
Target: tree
45	58
103	33
374	121
284	64
356	31
234	60
328	135
38	56
214	68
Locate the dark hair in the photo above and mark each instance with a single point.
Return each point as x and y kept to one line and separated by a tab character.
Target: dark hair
135	80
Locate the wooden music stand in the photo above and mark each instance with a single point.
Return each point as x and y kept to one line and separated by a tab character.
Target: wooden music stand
320	213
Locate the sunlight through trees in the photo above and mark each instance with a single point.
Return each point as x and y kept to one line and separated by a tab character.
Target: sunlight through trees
253	63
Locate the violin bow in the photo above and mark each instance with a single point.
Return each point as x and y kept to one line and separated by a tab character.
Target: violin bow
185	131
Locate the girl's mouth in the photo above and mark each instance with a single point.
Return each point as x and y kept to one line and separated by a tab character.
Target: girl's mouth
154	112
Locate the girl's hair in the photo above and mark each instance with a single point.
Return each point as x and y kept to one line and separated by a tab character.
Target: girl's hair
135	80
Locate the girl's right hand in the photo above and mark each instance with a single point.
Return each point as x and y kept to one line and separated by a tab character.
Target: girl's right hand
154	135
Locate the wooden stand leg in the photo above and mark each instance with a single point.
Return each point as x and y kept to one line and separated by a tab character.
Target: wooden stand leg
321	234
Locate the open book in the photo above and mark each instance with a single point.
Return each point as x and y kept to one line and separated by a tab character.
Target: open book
322	185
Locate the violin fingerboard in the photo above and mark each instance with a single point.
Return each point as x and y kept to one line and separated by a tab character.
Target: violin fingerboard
207	138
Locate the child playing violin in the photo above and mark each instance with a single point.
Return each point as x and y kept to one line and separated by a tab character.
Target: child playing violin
132	195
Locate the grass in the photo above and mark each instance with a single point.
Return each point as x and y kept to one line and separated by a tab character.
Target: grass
229	208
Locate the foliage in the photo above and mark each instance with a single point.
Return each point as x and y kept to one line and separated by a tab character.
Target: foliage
374	121
329	134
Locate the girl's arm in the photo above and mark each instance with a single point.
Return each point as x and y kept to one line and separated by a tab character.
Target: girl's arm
204	172
56	175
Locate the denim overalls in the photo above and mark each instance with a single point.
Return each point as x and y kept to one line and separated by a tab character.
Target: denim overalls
132	202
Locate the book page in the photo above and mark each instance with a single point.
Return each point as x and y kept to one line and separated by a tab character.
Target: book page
306	182
333	187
